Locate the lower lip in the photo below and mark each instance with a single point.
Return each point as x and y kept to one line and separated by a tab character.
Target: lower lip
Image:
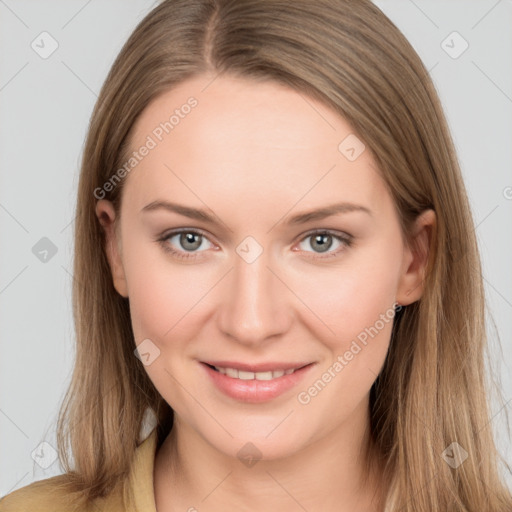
256	391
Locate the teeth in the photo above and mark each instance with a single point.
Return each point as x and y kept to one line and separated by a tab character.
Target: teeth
262	375
243	375
231	372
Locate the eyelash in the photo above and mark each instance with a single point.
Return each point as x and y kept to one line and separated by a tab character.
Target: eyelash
346	240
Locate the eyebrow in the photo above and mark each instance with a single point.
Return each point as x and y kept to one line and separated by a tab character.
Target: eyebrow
301	218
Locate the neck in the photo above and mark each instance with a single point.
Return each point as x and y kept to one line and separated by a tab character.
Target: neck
329	474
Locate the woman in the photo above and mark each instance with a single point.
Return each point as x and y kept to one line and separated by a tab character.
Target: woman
265	134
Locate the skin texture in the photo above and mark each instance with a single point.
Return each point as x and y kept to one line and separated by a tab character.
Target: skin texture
255	154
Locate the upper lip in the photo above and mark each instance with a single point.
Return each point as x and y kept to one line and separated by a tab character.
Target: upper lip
260	367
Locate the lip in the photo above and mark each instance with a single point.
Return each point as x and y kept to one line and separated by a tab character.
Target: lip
256	391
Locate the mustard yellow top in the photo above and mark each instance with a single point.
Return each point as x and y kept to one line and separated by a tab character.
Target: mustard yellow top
43	496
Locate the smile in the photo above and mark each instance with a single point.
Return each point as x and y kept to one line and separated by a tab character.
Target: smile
255	383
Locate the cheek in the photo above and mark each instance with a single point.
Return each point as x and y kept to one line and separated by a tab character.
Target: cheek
164	300
356	302
163	294
349	298
361	316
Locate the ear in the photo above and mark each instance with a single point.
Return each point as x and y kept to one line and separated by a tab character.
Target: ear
416	252
106	215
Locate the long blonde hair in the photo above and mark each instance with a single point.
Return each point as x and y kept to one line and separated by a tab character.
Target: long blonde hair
349	55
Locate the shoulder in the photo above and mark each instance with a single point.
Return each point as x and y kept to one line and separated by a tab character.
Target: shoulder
52	494
43	495
49	495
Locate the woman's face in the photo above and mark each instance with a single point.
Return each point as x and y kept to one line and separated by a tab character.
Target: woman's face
248	285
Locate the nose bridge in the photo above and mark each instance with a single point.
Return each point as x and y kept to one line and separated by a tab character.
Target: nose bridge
254	303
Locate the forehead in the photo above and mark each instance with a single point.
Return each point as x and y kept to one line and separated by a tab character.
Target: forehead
247	141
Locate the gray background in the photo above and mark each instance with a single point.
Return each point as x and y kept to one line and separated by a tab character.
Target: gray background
45	106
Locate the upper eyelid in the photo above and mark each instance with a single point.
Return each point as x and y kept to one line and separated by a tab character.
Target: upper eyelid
174	232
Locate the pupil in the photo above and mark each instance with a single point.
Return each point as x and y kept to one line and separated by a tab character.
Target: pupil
189	238
321	239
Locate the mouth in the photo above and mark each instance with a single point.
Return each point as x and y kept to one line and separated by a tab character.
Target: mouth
255	383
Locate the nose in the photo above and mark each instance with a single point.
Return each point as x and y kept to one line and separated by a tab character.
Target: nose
255	305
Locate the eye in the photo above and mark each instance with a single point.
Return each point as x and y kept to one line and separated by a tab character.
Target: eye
323	240
187	241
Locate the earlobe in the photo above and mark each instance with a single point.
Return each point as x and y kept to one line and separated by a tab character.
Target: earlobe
106	215
416	255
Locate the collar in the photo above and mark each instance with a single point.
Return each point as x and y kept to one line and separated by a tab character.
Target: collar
140	480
